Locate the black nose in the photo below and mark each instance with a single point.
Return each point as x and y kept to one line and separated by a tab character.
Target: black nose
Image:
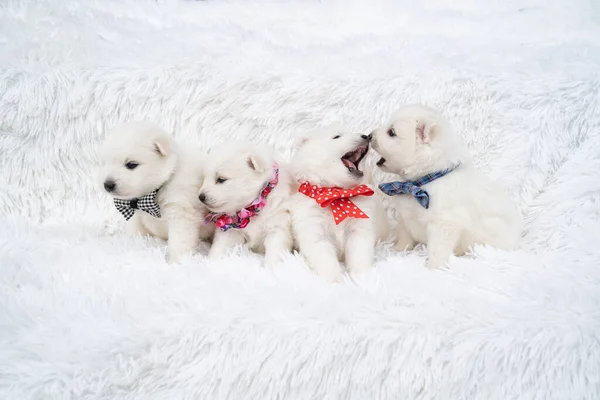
367	137
202	197
109	186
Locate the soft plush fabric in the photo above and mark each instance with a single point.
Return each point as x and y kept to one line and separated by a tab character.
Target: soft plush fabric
88	313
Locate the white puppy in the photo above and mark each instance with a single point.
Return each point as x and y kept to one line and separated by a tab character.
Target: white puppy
155	184
246	190
456	209
328	229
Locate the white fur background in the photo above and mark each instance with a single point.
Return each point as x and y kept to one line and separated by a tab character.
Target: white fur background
86	313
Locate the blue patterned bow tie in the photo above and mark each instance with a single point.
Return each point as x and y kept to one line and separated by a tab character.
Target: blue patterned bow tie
414	187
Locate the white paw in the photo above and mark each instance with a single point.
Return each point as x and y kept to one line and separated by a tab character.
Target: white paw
356	270
173	258
333	275
437	264
403	246
272	261
133	231
214	255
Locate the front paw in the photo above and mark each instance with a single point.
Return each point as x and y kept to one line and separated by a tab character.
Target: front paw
215	254
173	258
134	230
332	273
334	276
272	261
437	262
404	245
177	256
356	270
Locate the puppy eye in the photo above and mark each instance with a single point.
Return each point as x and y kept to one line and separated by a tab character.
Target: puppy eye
337	137
221	180
391	132
131	165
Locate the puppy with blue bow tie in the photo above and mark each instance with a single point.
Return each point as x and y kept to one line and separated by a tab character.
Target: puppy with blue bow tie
154	185
440	198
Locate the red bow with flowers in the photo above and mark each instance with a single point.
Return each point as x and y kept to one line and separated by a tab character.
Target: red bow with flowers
339	199
241	219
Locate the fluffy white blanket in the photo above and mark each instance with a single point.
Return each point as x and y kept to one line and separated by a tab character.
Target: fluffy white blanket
87	313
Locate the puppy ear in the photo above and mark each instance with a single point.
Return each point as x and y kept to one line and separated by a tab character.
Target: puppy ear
162	147
300	141
425	131
257	163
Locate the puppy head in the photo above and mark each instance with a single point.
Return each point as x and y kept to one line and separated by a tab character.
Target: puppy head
137	158
417	140
329	157
234	177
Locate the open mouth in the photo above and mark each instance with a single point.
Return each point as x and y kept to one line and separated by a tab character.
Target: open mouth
352	158
381	162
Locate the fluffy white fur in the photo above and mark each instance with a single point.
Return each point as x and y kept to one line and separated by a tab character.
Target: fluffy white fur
87	312
465	207
140	157
324	244
234	176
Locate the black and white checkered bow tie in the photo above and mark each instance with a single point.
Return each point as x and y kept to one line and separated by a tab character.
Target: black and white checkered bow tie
145	203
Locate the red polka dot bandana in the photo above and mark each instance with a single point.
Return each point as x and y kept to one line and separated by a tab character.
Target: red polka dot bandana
339	199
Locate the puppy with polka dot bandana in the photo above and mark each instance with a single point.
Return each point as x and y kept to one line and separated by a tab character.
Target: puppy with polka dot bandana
336	220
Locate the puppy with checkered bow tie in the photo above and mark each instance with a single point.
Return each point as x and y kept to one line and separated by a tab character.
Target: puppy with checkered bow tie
440	198
154	185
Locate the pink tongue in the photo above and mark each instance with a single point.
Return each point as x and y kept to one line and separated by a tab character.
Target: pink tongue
348	163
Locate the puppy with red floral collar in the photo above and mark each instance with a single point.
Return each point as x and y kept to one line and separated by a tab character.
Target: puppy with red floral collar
246	191
334	214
